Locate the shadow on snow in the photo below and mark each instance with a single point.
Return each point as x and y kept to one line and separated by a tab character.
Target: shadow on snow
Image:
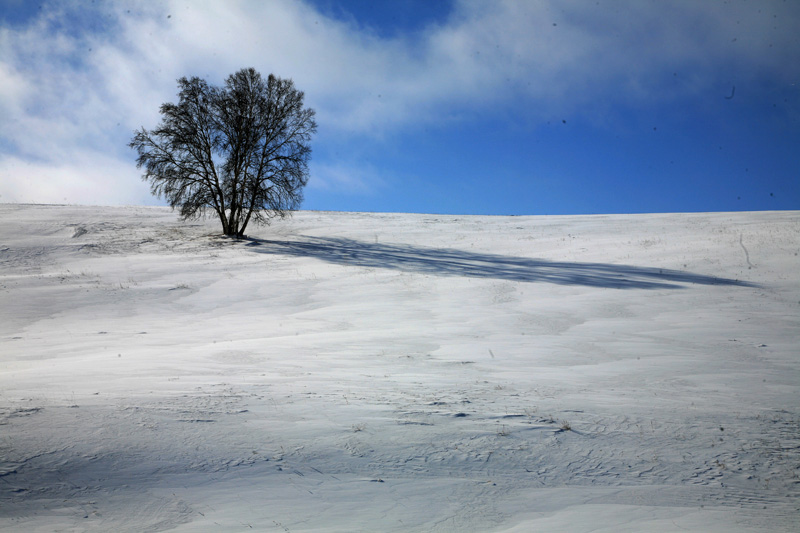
452	262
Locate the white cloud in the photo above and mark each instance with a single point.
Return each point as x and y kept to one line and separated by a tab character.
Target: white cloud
355	178
88	178
70	96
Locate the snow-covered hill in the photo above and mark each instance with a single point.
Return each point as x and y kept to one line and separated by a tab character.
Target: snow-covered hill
392	372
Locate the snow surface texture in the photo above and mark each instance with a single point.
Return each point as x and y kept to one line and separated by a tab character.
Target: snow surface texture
389	372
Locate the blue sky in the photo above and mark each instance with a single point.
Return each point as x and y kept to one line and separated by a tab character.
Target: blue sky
463	107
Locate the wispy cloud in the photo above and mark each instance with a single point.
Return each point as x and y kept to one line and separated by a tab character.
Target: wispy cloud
77	80
354	178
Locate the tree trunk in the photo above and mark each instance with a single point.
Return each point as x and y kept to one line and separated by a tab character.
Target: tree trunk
249	211
224	222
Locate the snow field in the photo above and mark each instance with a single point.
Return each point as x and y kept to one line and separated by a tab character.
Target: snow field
395	372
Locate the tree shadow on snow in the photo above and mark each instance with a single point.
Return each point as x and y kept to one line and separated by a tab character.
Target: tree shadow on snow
452	262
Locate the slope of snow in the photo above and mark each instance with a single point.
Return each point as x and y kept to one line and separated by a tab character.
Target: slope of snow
392	372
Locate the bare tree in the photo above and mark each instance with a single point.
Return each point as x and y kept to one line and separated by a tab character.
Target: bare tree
241	149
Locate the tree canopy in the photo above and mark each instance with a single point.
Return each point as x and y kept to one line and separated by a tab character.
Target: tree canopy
241	150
